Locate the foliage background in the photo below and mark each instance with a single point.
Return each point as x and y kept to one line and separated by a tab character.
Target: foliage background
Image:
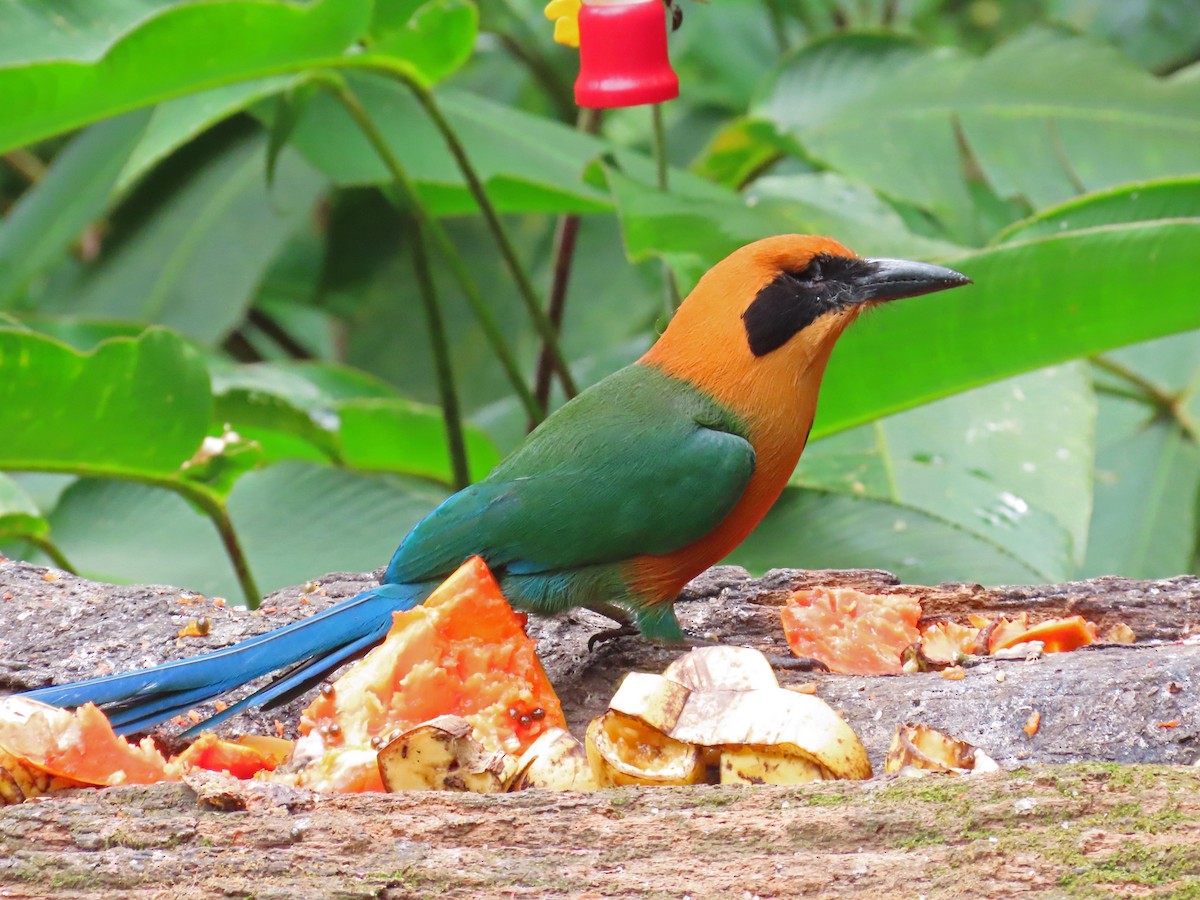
200	238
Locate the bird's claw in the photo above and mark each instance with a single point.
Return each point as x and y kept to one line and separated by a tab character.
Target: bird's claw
609	634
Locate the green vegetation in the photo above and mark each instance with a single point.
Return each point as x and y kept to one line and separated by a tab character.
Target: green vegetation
274	274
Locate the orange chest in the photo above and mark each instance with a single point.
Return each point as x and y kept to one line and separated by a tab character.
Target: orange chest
778	432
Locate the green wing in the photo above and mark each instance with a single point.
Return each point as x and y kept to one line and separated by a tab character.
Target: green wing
640	463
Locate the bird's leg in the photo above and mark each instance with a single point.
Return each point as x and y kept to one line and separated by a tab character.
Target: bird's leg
625	626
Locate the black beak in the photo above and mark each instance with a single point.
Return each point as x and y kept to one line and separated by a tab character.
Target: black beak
891	279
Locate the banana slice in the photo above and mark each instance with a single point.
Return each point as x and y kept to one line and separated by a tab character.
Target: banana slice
722	668
625	749
767	765
718	714
556	761
442	755
929	750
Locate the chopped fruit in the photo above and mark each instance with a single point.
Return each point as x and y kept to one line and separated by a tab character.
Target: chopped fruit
1033	723
463	652
929	750
241	760
1055	635
195	628
1119	634
945	642
1005	632
79	745
851	632
954	673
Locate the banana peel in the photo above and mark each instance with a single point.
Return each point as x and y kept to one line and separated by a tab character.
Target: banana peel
442	754
556	761
715	717
921	749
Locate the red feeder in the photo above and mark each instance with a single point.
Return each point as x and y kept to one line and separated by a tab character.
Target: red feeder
623	55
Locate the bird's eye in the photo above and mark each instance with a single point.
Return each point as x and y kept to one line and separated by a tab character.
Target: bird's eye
812	272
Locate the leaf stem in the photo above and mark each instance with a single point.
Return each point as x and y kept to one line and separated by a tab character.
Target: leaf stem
533	303
451	411
566	232
434	229
1167	405
215	510
51	550
206	500
778	25
660	159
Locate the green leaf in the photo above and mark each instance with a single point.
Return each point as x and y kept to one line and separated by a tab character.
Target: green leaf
175	122
1144	525
20	519
1045	116
51	214
1010	463
131	408
195	264
1170	198
187	48
527	163
816	530
1033	304
75	31
738	152
695	232
401	436
322	411
436	41
296	521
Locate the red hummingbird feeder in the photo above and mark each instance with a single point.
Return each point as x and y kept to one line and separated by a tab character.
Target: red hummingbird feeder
623	55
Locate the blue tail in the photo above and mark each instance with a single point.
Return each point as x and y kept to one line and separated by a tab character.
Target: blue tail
314	646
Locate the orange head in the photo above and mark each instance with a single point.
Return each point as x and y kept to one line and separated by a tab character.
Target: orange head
762	322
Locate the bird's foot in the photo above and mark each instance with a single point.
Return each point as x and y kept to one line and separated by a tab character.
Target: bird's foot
610	634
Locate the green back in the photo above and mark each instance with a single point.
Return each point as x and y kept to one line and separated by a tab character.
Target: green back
641	463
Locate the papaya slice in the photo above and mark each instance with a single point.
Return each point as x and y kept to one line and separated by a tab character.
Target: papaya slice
851	632
463	652
79	746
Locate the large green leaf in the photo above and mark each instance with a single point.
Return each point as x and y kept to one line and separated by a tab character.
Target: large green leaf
186	48
131	408
1147	460
1046	116
817	530
1170	198
175	122
1034	303
194	264
51	214
296	521
1010	463
1146	490
78	31
20	519
694	232
527	163
310	411
436	40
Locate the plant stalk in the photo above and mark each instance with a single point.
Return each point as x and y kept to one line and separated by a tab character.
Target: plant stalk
565	235
660	159
451	411
434	229
533	304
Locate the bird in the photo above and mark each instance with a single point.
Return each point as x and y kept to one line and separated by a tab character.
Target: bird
615	501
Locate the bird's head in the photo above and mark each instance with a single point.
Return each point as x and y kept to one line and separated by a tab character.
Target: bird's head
780	304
